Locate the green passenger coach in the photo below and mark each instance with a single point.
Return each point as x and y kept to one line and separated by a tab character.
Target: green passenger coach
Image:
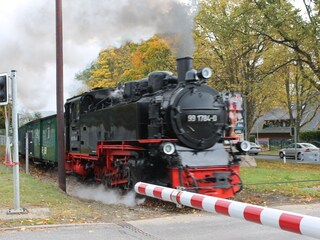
42	139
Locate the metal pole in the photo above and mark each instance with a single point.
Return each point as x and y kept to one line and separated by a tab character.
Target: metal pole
59	90
27	153
295	144
245	118
16	182
257	141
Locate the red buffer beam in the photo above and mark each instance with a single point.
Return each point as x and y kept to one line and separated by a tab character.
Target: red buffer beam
292	222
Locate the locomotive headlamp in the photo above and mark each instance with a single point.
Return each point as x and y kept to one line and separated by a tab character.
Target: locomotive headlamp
205	73
168	148
243	146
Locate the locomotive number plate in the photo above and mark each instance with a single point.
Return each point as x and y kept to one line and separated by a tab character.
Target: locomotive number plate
202	118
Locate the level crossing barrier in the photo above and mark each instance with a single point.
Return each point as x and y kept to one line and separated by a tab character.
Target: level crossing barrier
288	221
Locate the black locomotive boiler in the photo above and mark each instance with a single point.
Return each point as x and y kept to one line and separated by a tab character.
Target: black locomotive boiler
162	129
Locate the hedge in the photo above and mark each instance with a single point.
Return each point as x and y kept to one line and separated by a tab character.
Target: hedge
309	136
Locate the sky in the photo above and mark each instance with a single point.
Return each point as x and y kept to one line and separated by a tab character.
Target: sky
28	39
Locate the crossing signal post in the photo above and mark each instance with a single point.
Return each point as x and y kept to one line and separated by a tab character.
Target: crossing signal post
4	100
16	181
3	89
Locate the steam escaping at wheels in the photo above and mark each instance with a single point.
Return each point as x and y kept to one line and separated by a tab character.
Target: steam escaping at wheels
99	193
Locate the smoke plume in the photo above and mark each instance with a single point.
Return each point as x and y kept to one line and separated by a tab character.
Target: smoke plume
28	38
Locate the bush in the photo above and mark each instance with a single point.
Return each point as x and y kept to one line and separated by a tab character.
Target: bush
310	136
252	138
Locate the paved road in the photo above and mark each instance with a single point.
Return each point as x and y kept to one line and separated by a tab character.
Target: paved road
277	158
272	157
190	226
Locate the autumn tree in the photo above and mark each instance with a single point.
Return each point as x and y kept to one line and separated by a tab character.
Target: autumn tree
108	68
2	119
129	62
152	55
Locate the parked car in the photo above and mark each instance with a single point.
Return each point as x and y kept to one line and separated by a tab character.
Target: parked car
316	143
298	150
254	148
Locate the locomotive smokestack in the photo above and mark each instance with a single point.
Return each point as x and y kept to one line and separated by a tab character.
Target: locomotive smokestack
183	66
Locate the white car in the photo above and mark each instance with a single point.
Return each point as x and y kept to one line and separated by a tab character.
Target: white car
299	150
254	149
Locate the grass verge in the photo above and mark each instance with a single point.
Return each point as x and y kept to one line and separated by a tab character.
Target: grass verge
39	193
260	183
290	182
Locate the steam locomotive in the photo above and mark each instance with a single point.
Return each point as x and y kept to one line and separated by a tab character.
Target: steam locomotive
166	130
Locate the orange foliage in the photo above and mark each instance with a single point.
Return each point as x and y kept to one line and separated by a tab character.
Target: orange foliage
130	62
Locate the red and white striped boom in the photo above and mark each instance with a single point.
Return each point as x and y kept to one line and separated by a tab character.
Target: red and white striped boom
292	222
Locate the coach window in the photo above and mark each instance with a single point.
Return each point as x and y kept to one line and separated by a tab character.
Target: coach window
48	131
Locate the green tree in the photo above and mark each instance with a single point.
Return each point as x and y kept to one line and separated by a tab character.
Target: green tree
258	48
283	24
301	99
298	36
239	59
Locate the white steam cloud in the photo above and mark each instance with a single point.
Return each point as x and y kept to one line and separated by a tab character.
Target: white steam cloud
100	194
28	38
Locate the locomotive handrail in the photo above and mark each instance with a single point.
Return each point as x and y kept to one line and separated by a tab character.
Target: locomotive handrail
213	108
81	156
288	221
122	147
116	146
157	140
